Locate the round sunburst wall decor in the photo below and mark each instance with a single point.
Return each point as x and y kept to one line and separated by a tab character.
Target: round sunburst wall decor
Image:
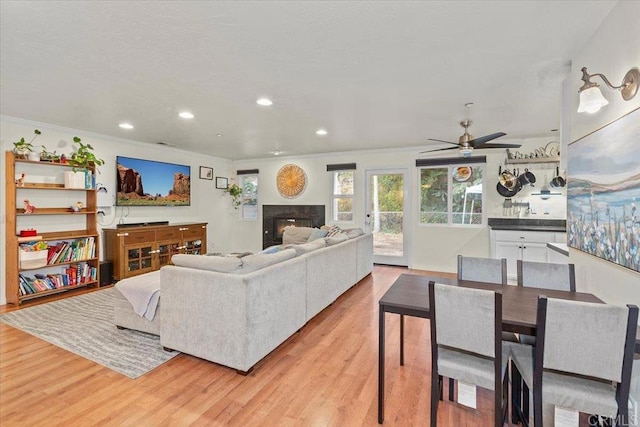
291	181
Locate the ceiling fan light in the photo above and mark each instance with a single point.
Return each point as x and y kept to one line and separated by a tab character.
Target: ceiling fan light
591	100
465	151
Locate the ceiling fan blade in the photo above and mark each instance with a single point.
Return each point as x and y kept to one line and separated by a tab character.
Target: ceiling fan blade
439	149
439	140
498	146
484	139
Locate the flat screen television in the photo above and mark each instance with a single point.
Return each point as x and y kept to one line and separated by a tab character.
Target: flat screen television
149	183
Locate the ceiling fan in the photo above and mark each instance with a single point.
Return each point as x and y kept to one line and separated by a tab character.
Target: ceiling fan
467	143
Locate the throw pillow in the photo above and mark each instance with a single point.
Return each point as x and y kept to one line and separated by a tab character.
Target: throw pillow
270	250
316	233
337	238
221	264
333	231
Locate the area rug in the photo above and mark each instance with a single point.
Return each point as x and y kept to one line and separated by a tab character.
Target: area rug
84	325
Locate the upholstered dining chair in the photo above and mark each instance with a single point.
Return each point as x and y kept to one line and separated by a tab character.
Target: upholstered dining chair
546	275
482	269
583	359
466	345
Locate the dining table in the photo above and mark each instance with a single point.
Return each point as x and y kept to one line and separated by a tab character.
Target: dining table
409	296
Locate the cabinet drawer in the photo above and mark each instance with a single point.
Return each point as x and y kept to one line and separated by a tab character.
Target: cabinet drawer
132	237
524	236
168	234
193	232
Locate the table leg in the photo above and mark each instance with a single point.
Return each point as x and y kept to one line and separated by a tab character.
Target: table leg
381	366
402	340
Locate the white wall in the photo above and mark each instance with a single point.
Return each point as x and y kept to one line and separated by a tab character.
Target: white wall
431	247
612	51
207	203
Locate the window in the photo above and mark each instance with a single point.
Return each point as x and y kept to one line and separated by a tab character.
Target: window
249	197
452	194
342	195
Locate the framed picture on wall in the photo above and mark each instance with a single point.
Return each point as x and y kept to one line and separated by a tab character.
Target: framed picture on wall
603	192
222	182
206	173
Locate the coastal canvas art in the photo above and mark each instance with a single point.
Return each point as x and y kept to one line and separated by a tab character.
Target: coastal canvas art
603	193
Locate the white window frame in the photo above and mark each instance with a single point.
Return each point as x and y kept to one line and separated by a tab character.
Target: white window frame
334	197
449	222
243	196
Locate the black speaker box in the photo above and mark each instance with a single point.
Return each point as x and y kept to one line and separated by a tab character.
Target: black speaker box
106	273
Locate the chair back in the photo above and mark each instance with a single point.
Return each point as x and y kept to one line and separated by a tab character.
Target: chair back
545	275
482	269
465	318
590	339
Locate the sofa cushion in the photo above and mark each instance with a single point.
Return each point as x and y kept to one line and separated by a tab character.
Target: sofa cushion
220	264
317	233
261	260
296	235
352	233
308	247
336	238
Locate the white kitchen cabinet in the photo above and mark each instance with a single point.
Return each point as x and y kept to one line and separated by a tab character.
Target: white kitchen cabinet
524	245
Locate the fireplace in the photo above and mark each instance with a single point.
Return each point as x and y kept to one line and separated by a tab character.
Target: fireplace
276	217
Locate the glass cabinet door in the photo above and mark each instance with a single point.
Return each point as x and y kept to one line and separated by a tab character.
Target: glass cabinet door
166	251
139	259
193	247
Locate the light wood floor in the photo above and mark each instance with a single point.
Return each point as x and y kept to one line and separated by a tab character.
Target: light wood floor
325	375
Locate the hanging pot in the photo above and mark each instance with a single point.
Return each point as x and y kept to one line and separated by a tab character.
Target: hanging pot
507	179
527	177
504	191
557	180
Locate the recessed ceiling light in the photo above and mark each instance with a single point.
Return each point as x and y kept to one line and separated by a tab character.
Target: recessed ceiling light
469	104
126	125
276	153
186	115
264	102
218	135
554	130
321	132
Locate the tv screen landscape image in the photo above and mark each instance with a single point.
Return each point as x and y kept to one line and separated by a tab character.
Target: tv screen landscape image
149	183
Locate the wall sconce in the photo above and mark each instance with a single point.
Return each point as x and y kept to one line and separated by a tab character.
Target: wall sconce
591	99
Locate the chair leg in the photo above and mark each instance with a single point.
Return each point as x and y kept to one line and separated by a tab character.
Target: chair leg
537	406
525	404
451	387
436	394
440	387
505	399
516	393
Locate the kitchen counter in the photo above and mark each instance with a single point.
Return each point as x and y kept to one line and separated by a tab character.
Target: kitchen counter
560	248
529	224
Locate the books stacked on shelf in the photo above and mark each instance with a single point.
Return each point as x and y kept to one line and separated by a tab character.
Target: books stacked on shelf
71	276
75	250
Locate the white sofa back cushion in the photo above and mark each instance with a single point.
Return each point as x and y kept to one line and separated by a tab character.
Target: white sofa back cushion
256	262
222	264
308	247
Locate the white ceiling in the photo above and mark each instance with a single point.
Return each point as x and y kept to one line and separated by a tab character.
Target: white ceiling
374	74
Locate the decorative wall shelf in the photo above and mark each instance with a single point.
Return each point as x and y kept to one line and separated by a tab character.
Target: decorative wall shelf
531	161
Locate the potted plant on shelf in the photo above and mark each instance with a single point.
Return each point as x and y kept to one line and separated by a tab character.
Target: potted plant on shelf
22	148
235	192
48	156
80	161
83	157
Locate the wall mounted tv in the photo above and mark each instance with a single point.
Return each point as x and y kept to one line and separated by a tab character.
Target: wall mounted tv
149	183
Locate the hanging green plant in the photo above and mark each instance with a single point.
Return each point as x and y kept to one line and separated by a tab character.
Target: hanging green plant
235	192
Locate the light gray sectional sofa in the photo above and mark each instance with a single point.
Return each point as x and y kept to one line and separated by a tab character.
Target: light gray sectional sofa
235	312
